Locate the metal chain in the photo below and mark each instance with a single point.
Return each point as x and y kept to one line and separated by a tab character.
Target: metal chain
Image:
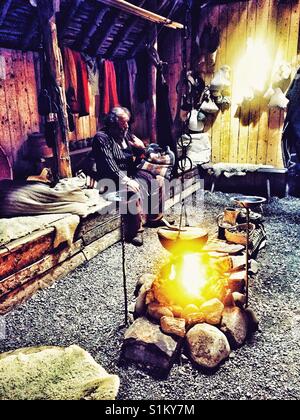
184	162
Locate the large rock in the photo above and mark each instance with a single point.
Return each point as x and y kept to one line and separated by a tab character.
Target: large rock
235	325
212	311
145	343
54	373
208	346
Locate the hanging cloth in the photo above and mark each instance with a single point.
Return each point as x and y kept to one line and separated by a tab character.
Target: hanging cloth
132	73
70	80
83	96
108	87
93	73
123	84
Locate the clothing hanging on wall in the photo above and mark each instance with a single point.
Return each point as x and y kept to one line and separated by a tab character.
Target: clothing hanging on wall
77	87
93	73
108	87
83	96
123	84
132	73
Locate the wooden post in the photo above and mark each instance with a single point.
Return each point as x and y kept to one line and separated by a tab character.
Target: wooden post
47	19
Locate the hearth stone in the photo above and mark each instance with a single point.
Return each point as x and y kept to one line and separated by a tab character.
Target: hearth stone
207	345
147	345
235	325
212	311
239	299
157	311
174	326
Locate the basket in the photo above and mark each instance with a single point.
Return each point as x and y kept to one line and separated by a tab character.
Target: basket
238	234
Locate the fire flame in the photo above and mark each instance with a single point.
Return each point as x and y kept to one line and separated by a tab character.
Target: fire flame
193	274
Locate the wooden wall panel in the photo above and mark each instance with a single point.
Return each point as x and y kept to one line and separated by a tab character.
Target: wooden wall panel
18	102
250	133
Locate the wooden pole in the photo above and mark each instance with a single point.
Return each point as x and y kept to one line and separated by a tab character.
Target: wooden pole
47	19
143	13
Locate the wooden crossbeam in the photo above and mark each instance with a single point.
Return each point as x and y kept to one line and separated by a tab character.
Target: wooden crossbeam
142	13
4	10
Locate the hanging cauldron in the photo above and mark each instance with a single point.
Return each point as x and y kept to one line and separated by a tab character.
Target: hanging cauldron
185	240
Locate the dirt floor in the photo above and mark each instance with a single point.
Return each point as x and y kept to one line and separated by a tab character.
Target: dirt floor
86	308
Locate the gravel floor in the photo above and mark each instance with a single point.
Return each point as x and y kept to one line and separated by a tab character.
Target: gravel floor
86	308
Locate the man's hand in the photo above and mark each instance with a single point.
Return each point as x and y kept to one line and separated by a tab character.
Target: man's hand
133	186
136	142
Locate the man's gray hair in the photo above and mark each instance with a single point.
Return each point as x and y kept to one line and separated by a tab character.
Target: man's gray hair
120	110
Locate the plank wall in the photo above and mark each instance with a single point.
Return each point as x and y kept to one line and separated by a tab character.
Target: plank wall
18	102
251	132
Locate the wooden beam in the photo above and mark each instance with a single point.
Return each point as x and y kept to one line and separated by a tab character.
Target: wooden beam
92	29
105	30
142	13
123	34
54	60
66	20
142	42
4	10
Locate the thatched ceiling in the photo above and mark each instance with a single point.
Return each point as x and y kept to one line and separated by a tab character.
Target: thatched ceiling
85	25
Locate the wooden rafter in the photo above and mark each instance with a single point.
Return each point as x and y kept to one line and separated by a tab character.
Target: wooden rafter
123	34
142	13
4	10
104	32
137	46
92	29
68	19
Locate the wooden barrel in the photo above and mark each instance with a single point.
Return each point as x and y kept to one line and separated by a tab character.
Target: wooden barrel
37	146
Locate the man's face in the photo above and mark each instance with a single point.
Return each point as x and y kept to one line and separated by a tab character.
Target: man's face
123	123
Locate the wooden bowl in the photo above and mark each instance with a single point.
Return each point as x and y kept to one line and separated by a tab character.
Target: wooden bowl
191	239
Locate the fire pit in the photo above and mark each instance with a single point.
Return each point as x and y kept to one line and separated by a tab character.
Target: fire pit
197	303
186	283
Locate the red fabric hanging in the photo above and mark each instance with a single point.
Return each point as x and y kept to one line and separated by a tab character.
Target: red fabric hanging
109	87
83	96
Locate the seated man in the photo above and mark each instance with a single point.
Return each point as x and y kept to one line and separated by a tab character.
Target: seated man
116	152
